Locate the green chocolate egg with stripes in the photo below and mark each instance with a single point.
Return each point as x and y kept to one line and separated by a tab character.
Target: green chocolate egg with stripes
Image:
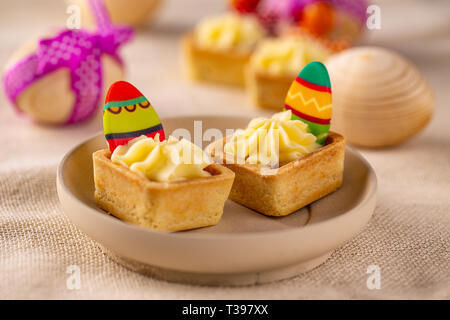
309	99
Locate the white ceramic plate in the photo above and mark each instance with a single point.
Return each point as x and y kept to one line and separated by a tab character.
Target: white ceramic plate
245	247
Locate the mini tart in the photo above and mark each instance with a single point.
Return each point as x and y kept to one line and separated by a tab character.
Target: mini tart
265	90
222	67
279	192
269	91
164	206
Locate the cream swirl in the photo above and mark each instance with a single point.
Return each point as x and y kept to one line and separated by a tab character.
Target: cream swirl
169	160
229	31
287	55
272	141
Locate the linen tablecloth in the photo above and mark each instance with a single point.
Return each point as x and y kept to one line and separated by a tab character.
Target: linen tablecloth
408	237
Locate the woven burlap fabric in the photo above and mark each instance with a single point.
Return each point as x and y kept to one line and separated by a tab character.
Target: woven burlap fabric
408	236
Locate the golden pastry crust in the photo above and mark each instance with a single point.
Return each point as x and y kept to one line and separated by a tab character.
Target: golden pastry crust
223	67
266	90
164	206
279	192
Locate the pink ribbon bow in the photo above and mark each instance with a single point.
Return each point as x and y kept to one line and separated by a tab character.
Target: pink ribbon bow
78	50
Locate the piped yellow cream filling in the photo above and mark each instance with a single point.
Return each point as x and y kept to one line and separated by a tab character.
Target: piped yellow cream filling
272	141
229	31
168	160
287	55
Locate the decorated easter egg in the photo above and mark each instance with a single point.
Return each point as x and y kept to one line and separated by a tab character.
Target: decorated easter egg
309	99
50	98
128	12
331	19
349	19
244	6
60	79
318	18
288	10
273	12
128	114
379	98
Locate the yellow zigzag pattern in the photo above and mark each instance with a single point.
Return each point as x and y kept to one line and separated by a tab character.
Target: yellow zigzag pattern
312	100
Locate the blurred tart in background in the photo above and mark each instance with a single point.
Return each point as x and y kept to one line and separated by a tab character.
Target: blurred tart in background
276	62
219	48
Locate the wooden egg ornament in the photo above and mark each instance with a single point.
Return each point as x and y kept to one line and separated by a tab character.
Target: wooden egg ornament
309	99
60	79
127	114
379	98
133	13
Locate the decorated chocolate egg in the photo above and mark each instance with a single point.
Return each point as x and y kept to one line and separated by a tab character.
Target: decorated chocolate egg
127	114
309	99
